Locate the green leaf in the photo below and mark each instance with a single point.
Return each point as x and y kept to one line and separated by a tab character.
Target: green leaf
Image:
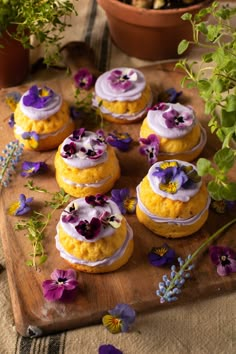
224	159
203	166
42	259
29	263
228	119
215	190
231	103
186	17
183	46
229	191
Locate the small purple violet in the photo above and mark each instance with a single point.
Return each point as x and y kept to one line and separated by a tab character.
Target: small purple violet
72	214
112	220
121	141
150	147
84	79
90	153
108	349
160	106
38	97
122	198
169	95
31	168
89	230
96	200
69	150
63	286
175	120
122	80
21	206
119	318
32	138
77	134
159	256
224	258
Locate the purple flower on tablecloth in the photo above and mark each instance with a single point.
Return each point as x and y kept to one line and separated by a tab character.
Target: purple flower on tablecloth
69	150
122	80
119	319
84	79
77	134
108	349
21	206
62	286
174	119
72	214
150	147
32	138
31	168
96	200
113	220
121	141
224	258
11	121
159	256
122	198
89	230
38	97
169	95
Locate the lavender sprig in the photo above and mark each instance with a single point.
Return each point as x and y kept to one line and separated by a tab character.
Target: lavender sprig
12	151
169	289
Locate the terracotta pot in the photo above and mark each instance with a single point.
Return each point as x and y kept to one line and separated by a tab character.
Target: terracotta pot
148	34
14	61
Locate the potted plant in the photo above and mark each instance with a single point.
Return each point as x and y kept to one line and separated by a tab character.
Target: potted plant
148	33
19	21
215	79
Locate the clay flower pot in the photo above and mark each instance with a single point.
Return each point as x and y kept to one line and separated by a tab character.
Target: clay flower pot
14	61
148	34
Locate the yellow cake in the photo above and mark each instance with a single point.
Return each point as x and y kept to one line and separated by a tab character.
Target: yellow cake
180	134
93	236
41	119
85	164
122	95
172	199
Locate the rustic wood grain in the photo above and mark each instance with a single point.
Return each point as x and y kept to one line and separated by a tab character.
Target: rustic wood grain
136	282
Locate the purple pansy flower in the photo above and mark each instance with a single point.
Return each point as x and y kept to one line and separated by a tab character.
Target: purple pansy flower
222	206
224	258
89	230
112	220
77	134
108	349
160	106
63	285
38	97
174	119
12	99
74	112
169	95
11	121
150	147
69	150
122	198
84	79
31	168
32	138
96	200
119	319
159	256
90	153
121	141
72	214
21	206
100	136
122	80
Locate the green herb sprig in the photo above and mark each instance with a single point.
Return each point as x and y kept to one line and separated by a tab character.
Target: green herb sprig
214	76
38	222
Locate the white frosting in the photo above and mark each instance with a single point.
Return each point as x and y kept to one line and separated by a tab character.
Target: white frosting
96	184
157	122
178	221
86	141
104	90
103	262
87	212
182	194
52	107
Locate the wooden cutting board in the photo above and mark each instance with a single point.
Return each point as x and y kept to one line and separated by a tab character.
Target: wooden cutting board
136	282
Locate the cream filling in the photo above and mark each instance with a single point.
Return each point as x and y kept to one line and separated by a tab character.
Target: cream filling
104	262
97	184
124	116
178	221
20	131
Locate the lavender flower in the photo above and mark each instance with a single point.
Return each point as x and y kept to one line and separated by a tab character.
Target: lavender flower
122	80
21	206
12	153
63	285
11	121
159	256
84	79
150	147
122	198
119	319
108	349
175	120
121	141
31	168
89	230
224	258
38	97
